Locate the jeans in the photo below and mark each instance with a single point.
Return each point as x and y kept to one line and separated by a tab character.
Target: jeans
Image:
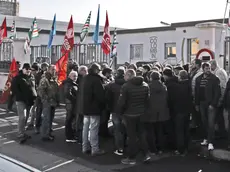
208	117
90	133
220	120
118	131
32	114
135	132
182	132
48	115
154	136
38	113
10	102
229	126
79	126
23	112
70	116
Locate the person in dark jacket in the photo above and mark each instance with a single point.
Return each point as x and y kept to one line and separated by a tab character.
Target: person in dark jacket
70	92
93	105
112	97
182	105
226	102
170	81
156	113
24	90
82	72
132	103
207	95
146	69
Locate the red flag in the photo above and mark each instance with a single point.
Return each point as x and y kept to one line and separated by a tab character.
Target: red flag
105	45
12	73
69	38
61	68
3	31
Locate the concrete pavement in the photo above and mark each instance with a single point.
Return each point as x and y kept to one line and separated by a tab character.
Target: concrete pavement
60	156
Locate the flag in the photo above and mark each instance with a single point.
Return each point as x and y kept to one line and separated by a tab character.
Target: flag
96	31
114	47
12	73
52	32
61	68
13	33
85	29
229	20
114	44
28	40
35	32
105	45
3	31
69	38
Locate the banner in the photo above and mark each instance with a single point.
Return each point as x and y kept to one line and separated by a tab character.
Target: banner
61	68
12	73
69	38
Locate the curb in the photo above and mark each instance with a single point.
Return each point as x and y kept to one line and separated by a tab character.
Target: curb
217	154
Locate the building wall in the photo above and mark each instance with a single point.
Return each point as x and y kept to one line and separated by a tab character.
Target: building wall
10	8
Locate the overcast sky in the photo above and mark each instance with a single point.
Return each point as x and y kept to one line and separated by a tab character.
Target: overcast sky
125	13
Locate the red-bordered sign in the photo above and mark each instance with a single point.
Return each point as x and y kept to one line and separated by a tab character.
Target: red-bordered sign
207	51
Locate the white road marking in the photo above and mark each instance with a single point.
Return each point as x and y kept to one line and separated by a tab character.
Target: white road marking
59	165
3	139
5	143
3	109
59	128
10	132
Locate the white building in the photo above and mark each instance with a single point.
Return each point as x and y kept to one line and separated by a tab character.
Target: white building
170	44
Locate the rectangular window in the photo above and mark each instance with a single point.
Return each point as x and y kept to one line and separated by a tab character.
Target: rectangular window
136	52
170	50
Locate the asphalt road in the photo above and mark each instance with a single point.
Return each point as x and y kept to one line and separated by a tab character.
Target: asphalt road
35	151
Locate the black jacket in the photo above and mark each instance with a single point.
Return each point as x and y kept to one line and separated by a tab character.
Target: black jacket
212	90
70	91
23	87
93	94
182	97
113	92
134	97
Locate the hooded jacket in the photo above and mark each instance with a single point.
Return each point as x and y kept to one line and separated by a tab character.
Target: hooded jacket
134	97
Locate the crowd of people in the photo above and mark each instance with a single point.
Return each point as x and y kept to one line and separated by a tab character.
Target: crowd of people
152	105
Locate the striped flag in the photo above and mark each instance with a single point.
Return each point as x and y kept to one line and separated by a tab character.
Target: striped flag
85	29
114	44
114	47
13	33
35	32
28	40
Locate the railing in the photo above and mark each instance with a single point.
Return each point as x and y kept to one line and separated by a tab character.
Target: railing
83	54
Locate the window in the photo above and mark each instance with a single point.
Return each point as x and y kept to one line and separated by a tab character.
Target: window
194	47
170	50
6	55
136	52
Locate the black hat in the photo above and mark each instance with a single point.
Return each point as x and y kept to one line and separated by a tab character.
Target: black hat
26	66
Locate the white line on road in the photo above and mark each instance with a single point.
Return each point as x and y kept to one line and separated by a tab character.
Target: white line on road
10	132
3	109
3	139
59	128
59	165
5	143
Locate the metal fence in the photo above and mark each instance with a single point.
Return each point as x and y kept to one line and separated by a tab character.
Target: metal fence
6	55
83	54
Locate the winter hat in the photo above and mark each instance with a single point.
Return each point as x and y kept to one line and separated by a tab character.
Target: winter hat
168	72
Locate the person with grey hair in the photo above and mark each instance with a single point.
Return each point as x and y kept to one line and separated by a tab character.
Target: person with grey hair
93	104
133	101
70	94
223	77
82	72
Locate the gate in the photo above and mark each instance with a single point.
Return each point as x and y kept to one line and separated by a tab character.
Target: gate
83	54
226	54
6	55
